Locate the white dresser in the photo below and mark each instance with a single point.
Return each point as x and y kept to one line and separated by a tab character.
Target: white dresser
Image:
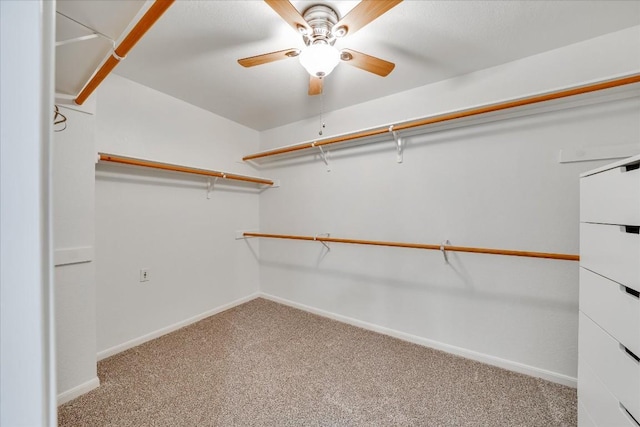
609	331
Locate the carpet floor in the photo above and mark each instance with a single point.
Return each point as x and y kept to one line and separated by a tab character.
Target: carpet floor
266	364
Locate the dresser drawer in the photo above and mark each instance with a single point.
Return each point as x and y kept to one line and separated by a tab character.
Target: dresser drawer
611	197
612	251
616	369
604	409
612	307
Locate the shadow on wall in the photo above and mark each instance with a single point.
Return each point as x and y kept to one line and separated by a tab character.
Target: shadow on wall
457	266
160	178
254	253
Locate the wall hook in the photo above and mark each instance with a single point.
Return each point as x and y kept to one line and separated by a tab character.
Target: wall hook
444	251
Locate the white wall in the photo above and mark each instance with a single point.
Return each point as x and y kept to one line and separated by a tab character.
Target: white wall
73	235
608	56
163	221
496	185
27	362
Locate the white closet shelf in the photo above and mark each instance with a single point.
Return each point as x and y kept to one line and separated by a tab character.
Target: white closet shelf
369	135
113	158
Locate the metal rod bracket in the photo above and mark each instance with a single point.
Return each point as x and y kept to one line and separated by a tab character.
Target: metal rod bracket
94	33
399	144
323	155
240	234
77	39
116	56
325	244
444	251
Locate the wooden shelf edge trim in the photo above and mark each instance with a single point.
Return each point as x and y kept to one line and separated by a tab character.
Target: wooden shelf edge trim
146	22
608	84
567	257
178	168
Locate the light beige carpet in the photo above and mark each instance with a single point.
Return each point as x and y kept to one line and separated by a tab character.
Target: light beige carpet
265	364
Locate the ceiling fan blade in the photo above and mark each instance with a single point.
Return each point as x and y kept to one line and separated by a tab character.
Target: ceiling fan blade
315	86
289	13
364	12
367	62
252	61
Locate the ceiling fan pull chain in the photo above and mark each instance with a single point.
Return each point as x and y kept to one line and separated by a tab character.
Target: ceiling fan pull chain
322	124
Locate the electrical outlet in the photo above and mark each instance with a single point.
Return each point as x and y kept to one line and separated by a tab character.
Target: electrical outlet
144	275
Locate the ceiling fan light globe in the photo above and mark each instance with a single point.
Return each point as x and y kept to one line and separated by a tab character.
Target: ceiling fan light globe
319	59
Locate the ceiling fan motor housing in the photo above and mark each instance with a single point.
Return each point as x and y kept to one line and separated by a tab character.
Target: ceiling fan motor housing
320	25
321	19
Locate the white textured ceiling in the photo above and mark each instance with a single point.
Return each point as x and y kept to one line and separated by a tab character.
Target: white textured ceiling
192	50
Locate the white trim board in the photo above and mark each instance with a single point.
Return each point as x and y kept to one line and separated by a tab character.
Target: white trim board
163	331
78	391
458	351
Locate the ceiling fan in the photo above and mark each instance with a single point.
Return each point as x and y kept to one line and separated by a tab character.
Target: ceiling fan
320	27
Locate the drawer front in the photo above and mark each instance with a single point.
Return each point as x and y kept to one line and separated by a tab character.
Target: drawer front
617	370
612	307
603	408
611	197
612	251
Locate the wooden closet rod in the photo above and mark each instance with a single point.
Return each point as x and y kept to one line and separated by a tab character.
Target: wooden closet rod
454	115
177	168
567	257
150	17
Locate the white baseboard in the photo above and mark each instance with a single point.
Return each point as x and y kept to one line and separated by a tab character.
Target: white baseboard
158	333
78	391
459	351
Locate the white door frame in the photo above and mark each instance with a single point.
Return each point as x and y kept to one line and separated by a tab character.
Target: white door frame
27	362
